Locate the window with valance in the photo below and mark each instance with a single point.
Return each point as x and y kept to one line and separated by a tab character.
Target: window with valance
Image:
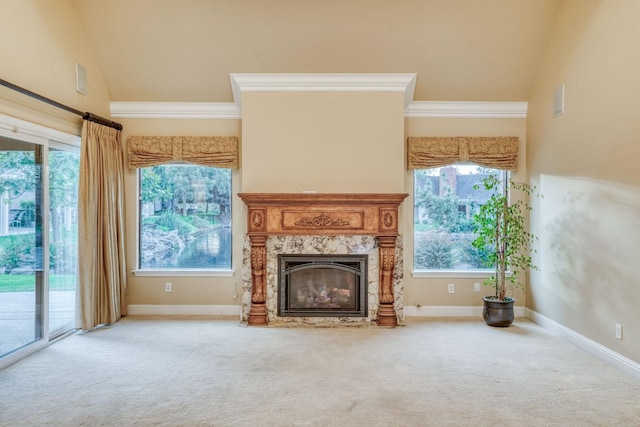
214	151
185	202
447	171
434	151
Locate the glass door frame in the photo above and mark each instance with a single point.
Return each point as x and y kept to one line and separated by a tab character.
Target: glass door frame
46	138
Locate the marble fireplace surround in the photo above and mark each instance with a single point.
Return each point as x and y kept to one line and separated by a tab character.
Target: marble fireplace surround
322	223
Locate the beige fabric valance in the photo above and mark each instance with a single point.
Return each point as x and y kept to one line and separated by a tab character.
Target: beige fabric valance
500	152
216	151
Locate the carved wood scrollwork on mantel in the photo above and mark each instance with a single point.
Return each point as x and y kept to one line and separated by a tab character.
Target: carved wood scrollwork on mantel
323	214
321	221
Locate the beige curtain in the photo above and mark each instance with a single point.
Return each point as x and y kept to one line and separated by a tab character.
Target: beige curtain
494	152
101	239
216	151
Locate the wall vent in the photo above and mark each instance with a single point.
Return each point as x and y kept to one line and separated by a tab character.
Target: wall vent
81	79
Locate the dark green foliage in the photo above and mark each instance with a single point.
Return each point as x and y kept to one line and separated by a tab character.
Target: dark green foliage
15	251
442	209
182	188
463	225
475	257
199	221
433	251
501	224
169	221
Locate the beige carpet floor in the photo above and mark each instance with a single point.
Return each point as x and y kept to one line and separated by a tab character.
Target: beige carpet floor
206	372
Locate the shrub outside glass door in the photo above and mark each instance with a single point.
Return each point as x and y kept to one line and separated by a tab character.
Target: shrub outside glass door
21	244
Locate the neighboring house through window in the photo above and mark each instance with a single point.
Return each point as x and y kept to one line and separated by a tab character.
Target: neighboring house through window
445	200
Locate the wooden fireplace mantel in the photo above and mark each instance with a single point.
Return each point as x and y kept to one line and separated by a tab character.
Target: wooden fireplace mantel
322	214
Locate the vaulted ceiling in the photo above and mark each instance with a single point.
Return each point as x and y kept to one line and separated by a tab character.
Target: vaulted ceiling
184	50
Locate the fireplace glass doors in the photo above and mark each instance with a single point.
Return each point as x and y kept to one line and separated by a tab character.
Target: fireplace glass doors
322	285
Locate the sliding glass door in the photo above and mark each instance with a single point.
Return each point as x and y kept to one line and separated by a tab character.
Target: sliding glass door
21	244
64	164
38	235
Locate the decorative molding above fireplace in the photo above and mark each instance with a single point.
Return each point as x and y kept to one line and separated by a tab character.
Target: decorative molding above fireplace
304	214
323	214
323	83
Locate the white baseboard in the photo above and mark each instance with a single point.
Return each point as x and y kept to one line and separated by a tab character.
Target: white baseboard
183	310
598	350
20	354
451	311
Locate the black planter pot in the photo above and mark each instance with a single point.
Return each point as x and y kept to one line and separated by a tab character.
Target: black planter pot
498	313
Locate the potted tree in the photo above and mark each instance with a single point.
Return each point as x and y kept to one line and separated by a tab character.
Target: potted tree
501	226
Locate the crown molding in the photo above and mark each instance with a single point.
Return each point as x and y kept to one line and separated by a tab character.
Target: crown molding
319	83
175	110
229	110
323	83
457	109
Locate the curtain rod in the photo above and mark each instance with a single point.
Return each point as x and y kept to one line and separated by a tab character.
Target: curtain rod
85	115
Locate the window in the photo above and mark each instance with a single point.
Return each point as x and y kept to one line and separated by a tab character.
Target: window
445	200
185	217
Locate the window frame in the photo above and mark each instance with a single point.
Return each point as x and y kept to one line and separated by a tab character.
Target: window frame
180	272
447	273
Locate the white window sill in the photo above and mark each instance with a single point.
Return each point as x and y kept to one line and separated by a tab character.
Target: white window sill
454	274
184	273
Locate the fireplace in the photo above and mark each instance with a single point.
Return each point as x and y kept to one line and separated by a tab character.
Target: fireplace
322	285
300	224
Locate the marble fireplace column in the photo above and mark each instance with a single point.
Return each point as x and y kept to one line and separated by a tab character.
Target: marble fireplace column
387	265
258	311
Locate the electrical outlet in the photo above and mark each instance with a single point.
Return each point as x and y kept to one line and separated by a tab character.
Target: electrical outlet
476	287
167	287
451	288
619	331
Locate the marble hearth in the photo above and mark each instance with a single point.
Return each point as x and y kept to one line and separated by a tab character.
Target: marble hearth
293	224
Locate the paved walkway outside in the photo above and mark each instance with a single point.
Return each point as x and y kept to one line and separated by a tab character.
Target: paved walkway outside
17	314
